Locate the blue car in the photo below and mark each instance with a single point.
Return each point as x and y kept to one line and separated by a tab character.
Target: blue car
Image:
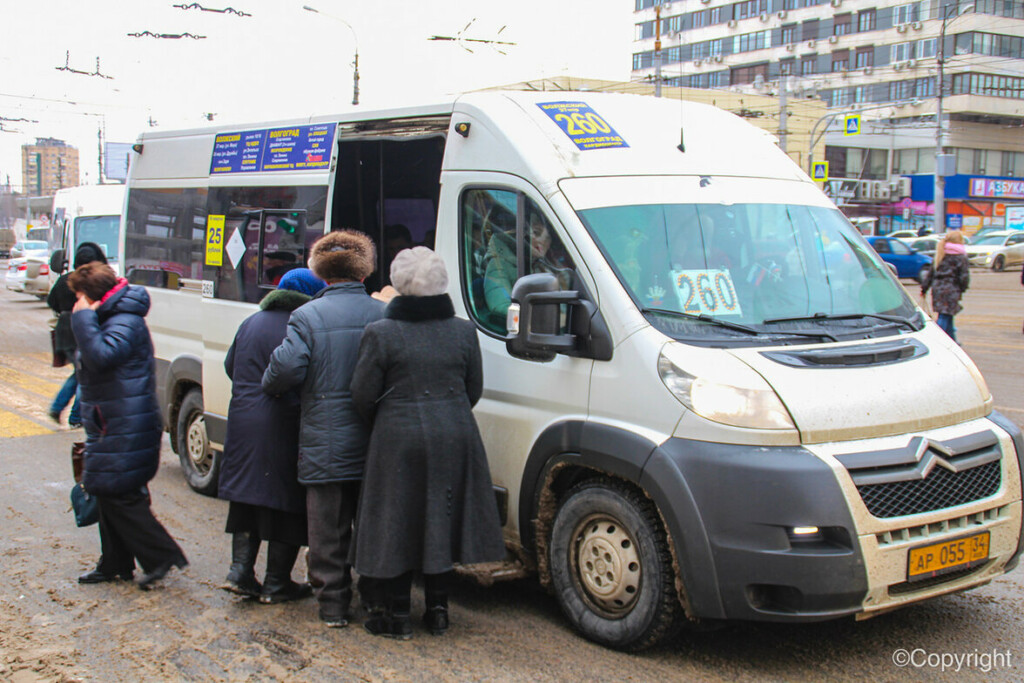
907	262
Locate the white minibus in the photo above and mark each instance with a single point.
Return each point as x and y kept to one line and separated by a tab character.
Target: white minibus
87	213
706	398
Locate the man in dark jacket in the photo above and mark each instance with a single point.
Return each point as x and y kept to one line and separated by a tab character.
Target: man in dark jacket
319	355
123	427
61	299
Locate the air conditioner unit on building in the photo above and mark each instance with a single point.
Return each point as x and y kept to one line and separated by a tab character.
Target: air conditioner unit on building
833	39
911	63
916	25
764	16
868	70
897	66
837	3
899	188
811	43
873	189
844	74
717	58
781	14
704	2
698	62
902	28
732	23
790	47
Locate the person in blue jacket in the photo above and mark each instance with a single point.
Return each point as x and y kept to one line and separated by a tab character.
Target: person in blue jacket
258	469
123	427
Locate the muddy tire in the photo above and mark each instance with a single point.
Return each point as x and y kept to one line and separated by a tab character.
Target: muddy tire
998	263
199	462
611	566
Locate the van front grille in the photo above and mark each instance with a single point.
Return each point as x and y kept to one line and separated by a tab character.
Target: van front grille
926	475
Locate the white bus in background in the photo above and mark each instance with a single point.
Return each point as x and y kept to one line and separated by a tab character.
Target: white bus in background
710	400
87	213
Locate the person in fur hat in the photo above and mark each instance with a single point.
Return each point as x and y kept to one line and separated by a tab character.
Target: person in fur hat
319	354
428	500
258	467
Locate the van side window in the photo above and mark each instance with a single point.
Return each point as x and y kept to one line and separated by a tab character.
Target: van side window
166	231
492	257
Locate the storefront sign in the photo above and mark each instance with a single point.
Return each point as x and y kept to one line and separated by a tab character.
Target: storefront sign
992	187
299	148
955	221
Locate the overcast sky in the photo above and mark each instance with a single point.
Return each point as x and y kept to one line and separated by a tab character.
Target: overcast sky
279	62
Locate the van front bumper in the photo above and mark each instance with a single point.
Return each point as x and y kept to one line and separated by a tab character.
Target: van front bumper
732	512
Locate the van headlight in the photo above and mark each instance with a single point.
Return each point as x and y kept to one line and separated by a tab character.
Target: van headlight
750	403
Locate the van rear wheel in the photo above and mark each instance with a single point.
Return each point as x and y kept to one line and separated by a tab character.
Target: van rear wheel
611	566
199	462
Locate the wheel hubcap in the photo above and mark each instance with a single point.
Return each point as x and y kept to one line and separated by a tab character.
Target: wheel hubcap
197	447
607	565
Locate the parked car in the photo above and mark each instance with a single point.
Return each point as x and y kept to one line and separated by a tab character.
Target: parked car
924	245
33	248
897	253
30	275
904	234
997	249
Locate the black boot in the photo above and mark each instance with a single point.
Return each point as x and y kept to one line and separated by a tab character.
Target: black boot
277	584
435	593
241	577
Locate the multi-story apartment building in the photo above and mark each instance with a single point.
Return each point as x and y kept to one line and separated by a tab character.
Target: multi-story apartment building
48	166
879	58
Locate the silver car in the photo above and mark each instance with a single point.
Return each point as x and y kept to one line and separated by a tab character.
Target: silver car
997	250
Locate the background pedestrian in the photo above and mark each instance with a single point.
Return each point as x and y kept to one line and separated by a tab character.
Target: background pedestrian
948	279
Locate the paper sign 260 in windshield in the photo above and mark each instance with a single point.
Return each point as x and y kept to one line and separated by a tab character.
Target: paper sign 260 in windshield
706	291
583	125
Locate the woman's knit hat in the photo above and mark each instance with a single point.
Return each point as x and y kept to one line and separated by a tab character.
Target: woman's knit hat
88	252
343	255
301	280
419	272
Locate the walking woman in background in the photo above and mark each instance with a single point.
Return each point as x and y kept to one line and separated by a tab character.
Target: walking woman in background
948	279
61	299
258	470
427	500
123	426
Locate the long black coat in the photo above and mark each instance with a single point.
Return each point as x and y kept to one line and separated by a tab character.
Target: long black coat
427	499
117	377
318	354
262	445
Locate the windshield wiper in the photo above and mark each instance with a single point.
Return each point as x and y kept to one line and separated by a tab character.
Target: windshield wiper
703	317
848	316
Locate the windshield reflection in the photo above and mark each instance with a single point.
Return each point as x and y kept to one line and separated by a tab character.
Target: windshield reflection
774	267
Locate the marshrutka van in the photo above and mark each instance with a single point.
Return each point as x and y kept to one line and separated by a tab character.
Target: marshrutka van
87	213
705	397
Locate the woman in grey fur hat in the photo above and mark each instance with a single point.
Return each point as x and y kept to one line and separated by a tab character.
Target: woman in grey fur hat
427	500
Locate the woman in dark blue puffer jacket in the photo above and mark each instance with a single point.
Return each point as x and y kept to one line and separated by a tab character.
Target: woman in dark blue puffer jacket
116	372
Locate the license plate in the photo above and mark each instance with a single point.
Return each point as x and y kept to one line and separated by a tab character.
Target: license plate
948	556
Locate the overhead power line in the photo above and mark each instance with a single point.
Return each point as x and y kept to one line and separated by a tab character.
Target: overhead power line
66	67
226	10
169	36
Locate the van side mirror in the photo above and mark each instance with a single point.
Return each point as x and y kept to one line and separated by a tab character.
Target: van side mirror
58	261
535	321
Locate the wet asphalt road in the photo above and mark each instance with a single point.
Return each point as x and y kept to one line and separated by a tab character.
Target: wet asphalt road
53	629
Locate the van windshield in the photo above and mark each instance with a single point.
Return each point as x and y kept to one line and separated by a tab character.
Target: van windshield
103	230
763	272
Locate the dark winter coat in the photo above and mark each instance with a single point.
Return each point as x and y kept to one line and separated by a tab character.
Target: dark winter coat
117	378
427	499
262	444
318	354
948	283
61	299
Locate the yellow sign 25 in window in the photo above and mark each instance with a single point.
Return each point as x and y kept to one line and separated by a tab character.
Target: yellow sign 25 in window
214	240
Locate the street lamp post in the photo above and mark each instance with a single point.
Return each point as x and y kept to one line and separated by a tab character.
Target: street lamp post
355	40
949	12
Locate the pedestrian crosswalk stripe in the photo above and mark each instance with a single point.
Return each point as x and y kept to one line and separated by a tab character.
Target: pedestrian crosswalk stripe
27	382
12	425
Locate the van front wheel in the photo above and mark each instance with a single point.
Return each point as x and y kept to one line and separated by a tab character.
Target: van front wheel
199	462
611	566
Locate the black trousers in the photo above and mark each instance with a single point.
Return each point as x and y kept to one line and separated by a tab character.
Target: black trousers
331	508
395	592
130	532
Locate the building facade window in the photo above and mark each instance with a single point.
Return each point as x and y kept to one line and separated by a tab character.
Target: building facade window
1012	164
808	65
715	16
749	42
788	34
840	61
700	19
747	74
988	84
809	30
1000	8
866	20
904	14
787	66
841	24
993	44
865	57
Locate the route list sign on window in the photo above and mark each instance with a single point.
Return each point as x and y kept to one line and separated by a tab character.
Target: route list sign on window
297	148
